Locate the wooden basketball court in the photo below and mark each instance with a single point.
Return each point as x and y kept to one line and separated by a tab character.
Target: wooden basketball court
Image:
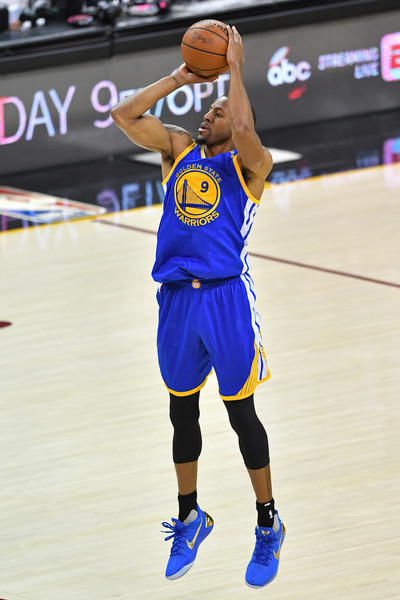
86	468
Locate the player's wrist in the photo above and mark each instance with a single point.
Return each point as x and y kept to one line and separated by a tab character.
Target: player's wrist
235	66
176	81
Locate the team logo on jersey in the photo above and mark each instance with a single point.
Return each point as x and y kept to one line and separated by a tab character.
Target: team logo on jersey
197	194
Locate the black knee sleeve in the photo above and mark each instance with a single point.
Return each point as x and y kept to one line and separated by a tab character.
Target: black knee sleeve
253	439
184	414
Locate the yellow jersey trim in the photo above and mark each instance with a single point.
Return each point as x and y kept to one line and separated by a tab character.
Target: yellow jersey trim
188	393
182	154
242	181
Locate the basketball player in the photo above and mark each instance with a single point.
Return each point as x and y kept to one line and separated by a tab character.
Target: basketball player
207	314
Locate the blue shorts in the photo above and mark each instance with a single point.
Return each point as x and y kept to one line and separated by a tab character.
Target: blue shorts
206	325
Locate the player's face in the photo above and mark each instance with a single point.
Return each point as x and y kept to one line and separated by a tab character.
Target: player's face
215	128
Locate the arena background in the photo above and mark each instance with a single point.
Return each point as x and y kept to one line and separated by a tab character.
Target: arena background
330	68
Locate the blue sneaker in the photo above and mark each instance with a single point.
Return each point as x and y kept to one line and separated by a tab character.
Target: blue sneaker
264	563
187	539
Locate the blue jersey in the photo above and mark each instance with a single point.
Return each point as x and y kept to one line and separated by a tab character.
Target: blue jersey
207	217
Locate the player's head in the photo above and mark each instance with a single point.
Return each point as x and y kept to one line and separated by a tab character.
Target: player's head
215	128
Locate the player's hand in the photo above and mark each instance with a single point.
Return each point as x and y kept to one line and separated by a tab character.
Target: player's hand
184	76
235	52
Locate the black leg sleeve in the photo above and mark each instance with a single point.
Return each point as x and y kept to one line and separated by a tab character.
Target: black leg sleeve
253	439
184	414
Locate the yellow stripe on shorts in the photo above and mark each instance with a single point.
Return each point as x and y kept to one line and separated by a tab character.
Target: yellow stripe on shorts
253	379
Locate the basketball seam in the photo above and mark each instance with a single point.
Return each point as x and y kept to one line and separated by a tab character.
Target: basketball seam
208	31
205	51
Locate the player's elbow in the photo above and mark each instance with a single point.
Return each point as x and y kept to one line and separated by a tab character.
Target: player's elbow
117	115
124	120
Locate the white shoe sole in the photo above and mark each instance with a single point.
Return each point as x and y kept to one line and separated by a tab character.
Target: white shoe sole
180	573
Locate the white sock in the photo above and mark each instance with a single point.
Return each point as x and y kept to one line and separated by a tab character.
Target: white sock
275	526
192	516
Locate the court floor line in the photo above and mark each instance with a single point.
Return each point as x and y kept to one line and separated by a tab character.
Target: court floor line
285	261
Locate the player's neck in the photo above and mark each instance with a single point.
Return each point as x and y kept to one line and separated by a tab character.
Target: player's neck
211	151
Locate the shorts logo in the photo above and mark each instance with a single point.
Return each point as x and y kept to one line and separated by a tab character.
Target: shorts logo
197	194
390	56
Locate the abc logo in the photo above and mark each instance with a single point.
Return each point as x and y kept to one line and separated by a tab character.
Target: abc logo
282	71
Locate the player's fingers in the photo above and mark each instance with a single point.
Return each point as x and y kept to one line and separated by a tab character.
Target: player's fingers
236	34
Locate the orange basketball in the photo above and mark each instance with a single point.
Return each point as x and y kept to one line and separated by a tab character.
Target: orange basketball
204	47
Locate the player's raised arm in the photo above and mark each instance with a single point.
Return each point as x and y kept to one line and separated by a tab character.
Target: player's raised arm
254	158
148	131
